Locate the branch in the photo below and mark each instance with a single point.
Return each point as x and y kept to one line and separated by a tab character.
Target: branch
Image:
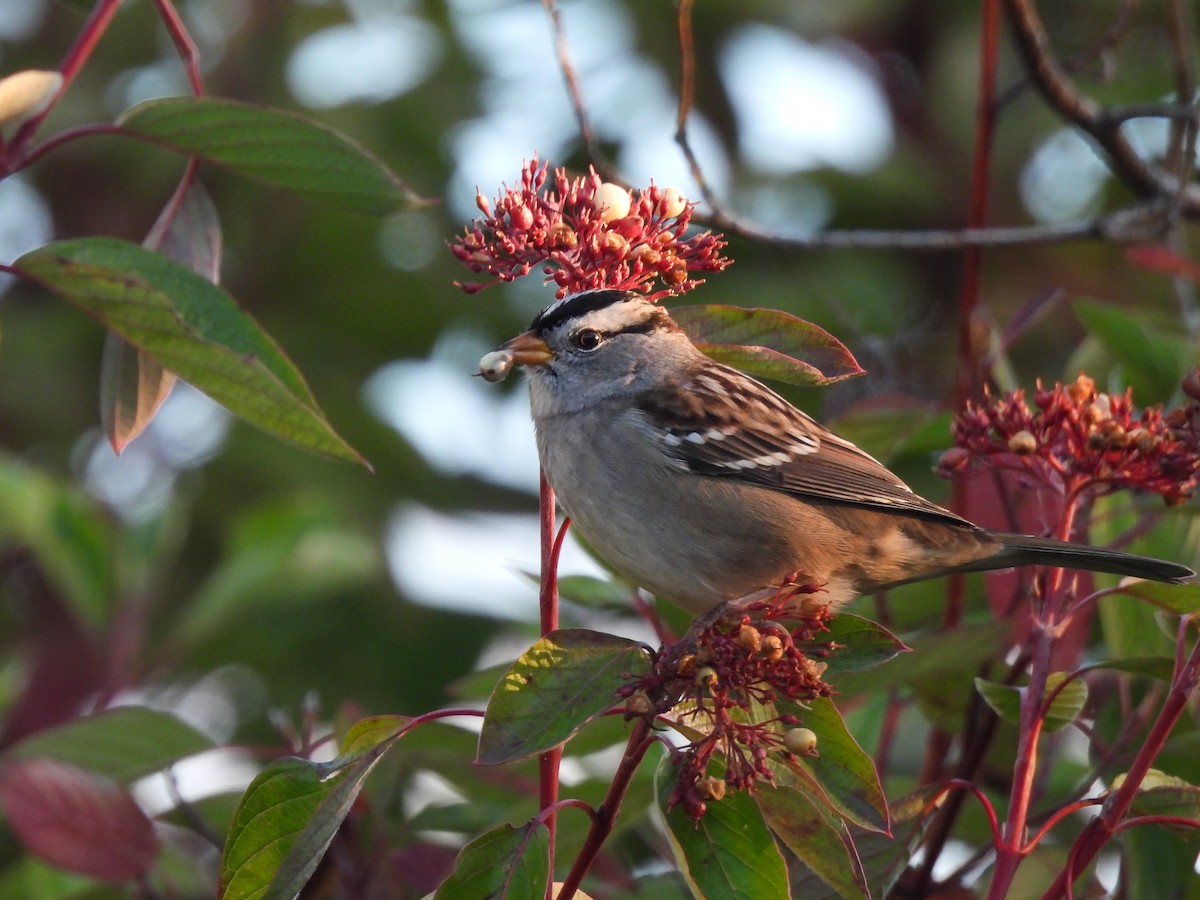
1048	76
561	48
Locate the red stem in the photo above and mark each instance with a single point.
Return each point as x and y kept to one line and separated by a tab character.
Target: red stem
93	29
1098	831
641	738
969	378
549	762
1013	847
184	44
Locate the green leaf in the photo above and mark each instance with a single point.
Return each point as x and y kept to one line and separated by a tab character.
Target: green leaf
1180	800
507	862
562	682
843	776
883	857
280	148
291	812
596	593
729	853
65	529
293	551
367	735
1005	700
1067	704
1181	599
863	644
1155	361
123	744
827	849
193	328
1160	667
768	343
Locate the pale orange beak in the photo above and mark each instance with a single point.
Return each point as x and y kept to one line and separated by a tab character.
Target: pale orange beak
524	350
528	350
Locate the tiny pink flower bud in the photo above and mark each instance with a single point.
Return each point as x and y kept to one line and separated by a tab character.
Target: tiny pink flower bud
629	227
521	217
482	202
611	202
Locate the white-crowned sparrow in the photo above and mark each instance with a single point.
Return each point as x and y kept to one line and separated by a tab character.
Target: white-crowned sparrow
702	485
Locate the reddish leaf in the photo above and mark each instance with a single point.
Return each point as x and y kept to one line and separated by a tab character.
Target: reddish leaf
77	821
1160	258
768	343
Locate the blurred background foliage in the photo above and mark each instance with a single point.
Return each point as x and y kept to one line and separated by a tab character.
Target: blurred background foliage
230	574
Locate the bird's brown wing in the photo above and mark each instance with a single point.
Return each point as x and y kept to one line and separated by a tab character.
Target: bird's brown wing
785	449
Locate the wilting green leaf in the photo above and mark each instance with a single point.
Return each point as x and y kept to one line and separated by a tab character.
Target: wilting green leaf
193	328
768	343
562	682
280	148
823	846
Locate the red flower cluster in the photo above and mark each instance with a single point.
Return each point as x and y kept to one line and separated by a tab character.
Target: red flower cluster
1083	441
588	234
726	677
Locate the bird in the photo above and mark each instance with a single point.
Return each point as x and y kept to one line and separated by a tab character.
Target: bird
700	484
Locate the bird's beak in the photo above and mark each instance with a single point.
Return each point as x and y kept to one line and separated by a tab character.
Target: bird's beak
528	350
524	350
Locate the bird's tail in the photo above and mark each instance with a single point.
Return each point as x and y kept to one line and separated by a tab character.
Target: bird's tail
1024	550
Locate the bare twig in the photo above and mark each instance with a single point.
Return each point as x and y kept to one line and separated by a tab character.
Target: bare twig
184	45
1052	81
562	49
687	92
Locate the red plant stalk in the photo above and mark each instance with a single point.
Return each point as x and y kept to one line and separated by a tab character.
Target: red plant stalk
89	36
189	54
641	738
1012	847
1099	830
551	546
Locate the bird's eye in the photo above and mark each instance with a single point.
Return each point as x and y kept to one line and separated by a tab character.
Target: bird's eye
588	339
